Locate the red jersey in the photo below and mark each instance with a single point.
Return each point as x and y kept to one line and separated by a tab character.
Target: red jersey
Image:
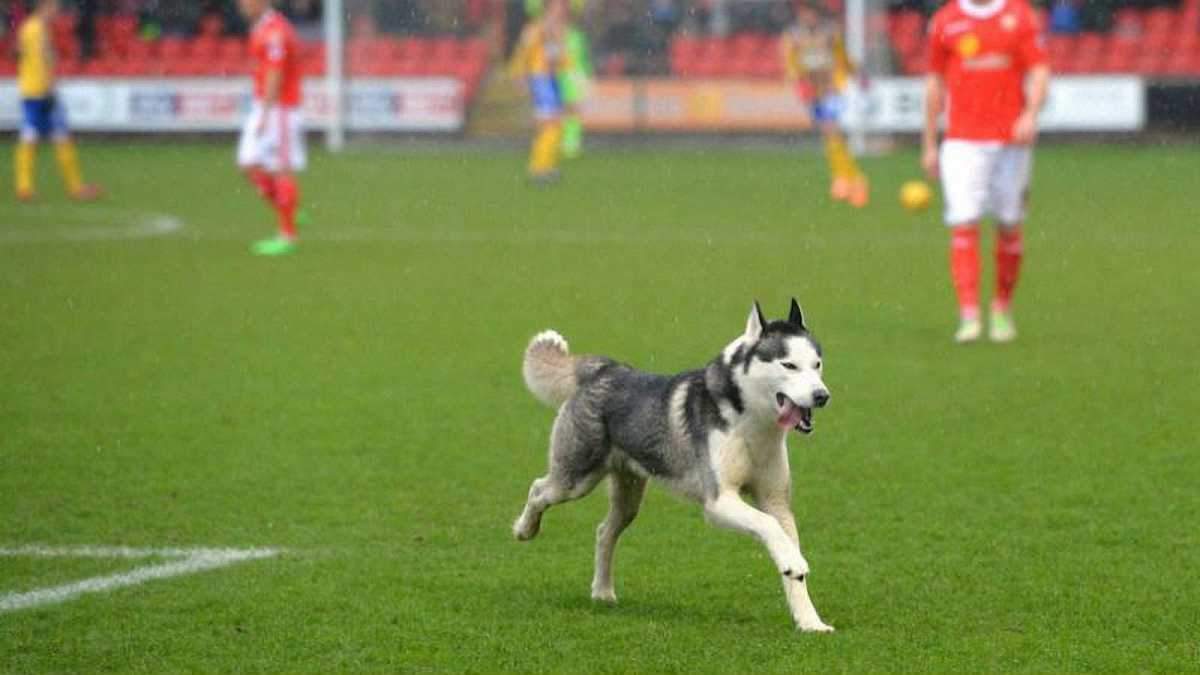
274	46
982	53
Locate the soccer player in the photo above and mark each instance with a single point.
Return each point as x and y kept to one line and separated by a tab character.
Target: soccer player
987	68
539	57
271	149
573	78
42	115
816	64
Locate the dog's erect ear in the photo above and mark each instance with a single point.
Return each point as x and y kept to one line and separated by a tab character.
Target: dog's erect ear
755	323
796	317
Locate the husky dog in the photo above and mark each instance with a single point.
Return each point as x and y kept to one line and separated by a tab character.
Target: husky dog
706	434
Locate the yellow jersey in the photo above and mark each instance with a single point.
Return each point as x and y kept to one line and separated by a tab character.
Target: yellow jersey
35	70
818	54
539	52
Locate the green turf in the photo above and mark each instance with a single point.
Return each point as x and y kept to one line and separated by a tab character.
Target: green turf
1025	507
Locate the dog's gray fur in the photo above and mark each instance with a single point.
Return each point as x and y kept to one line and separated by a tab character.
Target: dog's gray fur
707	434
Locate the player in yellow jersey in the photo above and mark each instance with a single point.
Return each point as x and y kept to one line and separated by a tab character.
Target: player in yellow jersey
816	64
42	115
540	55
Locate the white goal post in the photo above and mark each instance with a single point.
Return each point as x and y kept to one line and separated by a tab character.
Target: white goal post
335	73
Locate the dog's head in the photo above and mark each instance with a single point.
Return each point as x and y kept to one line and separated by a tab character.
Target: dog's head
777	367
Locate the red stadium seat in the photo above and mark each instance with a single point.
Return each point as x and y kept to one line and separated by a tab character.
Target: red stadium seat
477	49
69	67
204	49
415	49
707	67
746	45
1120	55
1149	63
170	49
446	48
767	66
100	68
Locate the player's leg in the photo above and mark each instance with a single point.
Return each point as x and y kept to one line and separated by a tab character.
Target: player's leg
572	86
250	156
965	171
1010	187
836	155
67	155
25	157
547	141
848	181
284	130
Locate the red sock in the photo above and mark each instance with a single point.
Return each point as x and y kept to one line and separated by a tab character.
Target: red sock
263	182
287	195
964	268
1008	265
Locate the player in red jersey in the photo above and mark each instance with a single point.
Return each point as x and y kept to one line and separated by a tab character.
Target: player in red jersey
987	68
271	149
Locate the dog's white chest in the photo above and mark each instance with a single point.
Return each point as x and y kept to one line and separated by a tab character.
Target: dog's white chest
740	460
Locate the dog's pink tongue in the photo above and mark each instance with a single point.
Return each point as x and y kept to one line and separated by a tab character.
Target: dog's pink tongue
789	416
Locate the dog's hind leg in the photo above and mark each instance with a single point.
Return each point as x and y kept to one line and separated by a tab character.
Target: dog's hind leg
576	466
625	491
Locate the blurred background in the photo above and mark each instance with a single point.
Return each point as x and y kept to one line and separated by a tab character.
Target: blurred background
414	66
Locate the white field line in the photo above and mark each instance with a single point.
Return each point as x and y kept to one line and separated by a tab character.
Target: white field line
137	226
190	561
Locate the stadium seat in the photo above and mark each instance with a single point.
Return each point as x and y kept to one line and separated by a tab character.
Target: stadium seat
414	49
1119	56
205	49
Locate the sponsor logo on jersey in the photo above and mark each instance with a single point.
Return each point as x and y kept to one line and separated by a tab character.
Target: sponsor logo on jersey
968	45
994	61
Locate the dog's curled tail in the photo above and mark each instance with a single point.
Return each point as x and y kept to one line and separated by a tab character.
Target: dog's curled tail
549	369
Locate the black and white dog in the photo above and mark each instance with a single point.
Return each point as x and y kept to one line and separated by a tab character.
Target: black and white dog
708	434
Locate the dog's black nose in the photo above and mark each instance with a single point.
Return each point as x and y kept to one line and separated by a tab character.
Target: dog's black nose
820	398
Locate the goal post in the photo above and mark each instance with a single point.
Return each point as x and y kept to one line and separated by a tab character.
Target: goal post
335	73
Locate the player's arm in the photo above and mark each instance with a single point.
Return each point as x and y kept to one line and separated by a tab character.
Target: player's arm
518	65
935	99
791	64
272	86
842	56
935	94
1031	55
1025	128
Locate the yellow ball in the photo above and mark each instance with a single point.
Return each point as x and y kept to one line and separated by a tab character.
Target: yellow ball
915	195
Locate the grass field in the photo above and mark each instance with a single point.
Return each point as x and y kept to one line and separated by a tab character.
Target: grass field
359	405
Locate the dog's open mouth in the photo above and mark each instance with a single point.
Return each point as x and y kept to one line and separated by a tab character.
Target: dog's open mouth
792	416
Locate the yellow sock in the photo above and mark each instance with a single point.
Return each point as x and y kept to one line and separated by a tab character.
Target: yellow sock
68	164
26	160
543	155
841	162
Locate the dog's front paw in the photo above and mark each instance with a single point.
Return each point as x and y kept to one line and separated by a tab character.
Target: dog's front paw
814	626
796	568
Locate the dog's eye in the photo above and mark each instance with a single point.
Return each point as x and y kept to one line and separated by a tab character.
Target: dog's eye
789	365
817	366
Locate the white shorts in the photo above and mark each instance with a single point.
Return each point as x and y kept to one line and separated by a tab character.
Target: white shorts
985	178
279	146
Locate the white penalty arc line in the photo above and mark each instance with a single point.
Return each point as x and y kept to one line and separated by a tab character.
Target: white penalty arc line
191	561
